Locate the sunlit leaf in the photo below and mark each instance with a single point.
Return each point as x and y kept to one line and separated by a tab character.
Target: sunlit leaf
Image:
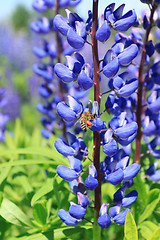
48	187
156	235
13	214
130	229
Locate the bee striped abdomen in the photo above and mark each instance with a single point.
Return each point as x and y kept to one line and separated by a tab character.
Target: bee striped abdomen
84	125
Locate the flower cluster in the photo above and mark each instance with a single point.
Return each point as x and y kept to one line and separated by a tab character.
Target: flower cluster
52	90
122	127
133	96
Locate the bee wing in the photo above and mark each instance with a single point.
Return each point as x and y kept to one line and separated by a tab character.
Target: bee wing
77	121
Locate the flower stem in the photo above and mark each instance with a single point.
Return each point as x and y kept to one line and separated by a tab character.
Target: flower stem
96	135
140	89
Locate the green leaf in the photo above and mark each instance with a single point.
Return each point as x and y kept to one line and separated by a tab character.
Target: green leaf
3	176
52	154
141	189
64	232
27	162
156	235
147	228
148	210
17	132
13	214
153	194
48	187
130	229
40	213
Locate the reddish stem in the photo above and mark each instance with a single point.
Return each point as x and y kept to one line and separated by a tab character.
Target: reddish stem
140	90
96	135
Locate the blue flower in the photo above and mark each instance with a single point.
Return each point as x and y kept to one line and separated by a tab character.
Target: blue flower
67	149
103	32
91	181
117	20
104	220
153	173
73	27
69	72
67	218
76	210
70	112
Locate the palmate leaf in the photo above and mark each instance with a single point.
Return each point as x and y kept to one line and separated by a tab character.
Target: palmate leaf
130	229
11	213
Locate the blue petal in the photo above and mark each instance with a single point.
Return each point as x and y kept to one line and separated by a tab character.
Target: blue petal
155	106
149	48
128	54
82	200
111	68
74	39
39	6
75	105
67	173
129	88
113	211
152	169
75	164
115	177
64	73
129	199
123	163
67	218
64	148
108	10
104	32
39	52
127	130
121	217
98	122
110	148
118	82
155	176
60	24
91	183
84	81
44	92
119	194
45	133
104	221
66	112
131	171
124	23
149	129
125	142
73	141
77	211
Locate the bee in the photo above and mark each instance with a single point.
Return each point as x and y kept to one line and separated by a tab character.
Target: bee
85	118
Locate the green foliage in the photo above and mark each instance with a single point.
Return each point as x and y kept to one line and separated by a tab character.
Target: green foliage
130	229
30	198
20	18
